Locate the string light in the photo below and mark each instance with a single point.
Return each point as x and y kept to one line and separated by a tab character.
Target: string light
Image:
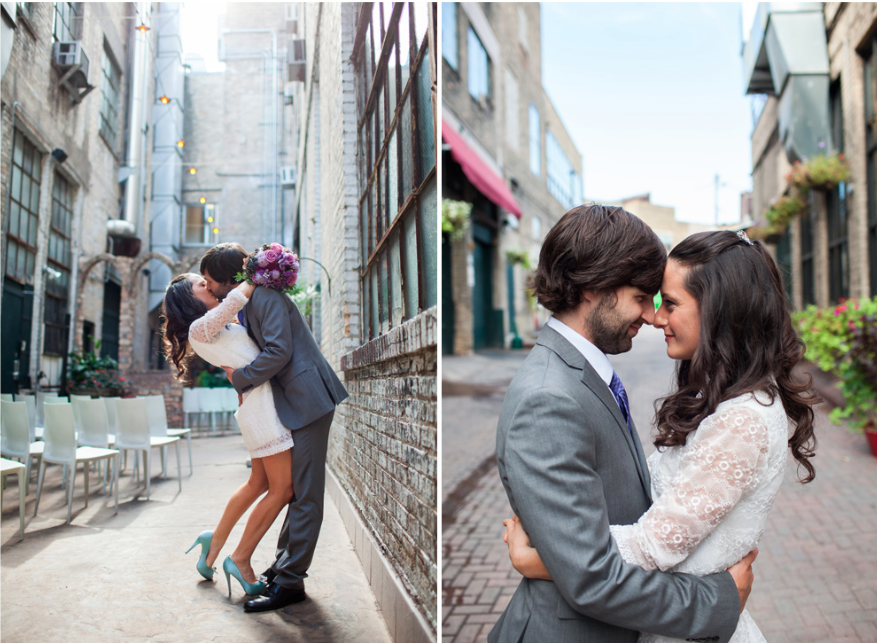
202	200
142	28
181	143
192	170
215	230
209	219
164	100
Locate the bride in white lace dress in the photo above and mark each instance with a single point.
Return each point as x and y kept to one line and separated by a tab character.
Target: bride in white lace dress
725	434
195	321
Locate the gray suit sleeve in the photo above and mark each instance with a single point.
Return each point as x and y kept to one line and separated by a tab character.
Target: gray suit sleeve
274	326
550	459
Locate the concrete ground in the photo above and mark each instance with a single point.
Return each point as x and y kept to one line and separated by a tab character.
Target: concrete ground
126	578
816	574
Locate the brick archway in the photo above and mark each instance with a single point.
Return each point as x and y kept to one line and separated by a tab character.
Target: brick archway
85	268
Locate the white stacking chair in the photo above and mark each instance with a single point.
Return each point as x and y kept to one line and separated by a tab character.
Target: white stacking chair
10	467
157	411
36	432
41	400
211	403
132	432
6	397
93	430
16	437
61	449
191	404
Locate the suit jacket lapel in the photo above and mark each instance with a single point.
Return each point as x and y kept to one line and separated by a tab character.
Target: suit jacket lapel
550	338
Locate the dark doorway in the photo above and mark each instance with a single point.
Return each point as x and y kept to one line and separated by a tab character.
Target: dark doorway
16	327
447	297
487	323
110	328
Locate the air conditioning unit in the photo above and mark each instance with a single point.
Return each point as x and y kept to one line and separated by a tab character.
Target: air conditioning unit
71	60
296	54
287	176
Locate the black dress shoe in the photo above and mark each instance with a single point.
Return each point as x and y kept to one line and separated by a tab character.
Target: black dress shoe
275	597
268	576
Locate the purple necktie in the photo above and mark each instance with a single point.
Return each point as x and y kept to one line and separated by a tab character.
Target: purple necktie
244	323
620	395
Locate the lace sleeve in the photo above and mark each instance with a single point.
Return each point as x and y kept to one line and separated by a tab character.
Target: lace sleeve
206	328
712	477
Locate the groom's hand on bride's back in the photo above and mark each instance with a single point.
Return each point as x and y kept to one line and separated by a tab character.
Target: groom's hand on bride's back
743	576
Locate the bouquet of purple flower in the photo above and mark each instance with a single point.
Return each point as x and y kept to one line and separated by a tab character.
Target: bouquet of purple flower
271	266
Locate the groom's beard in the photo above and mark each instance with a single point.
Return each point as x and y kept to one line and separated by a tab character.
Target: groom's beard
608	329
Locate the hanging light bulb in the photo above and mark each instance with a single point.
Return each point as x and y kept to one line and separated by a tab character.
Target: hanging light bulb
215	230
181	143
202	200
142	28
209	219
164	100
192	170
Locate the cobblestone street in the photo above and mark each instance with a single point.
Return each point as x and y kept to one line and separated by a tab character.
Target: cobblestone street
816	574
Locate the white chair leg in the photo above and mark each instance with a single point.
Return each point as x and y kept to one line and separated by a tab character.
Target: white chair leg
26	475
189	444
21	501
70	485
146	458
179	474
40	477
85	470
115	481
164	462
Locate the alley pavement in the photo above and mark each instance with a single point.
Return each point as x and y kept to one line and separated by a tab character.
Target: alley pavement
816	573
126	577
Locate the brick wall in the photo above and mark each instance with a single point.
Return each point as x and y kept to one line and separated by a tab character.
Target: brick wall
383	449
161	383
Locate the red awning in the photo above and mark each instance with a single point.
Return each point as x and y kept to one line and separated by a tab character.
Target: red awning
478	173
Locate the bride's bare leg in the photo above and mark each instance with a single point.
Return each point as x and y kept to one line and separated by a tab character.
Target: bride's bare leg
278	468
240	501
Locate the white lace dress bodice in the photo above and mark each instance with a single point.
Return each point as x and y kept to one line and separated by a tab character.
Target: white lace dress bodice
216	339
712	496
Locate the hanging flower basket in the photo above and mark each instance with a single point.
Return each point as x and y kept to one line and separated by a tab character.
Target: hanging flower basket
519	257
455	218
783	210
819	173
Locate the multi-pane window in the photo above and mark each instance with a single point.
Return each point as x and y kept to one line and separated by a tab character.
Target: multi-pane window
24	209
24	9
450	49
870	87
111	79
479	67
395	76
67	21
201	226
535	141
564	183
838	246
60	261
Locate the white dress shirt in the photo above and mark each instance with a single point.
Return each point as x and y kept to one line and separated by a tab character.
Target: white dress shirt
596	358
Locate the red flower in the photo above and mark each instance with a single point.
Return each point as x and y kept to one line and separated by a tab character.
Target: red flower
840	156
121	379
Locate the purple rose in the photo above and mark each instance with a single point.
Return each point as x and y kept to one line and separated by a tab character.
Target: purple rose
271	256
277	248
274	275
261	259
259	278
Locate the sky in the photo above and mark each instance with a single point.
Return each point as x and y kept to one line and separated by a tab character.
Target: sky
652	96
199	29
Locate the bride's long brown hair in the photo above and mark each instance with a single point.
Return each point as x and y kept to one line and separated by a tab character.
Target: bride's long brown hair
747	341
179	309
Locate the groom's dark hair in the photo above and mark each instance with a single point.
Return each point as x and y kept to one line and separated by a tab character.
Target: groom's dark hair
222	262
596	247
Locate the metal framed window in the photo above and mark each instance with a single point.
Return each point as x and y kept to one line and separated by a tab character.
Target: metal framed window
395	91
450	47
24	210
479	67
870	87
67	22
535	141
111	79
60	260
563	181
201	227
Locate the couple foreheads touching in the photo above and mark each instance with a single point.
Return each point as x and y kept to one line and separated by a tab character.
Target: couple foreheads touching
613	547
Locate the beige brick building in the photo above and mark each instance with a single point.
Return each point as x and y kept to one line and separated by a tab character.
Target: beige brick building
500	128
363	216
831	250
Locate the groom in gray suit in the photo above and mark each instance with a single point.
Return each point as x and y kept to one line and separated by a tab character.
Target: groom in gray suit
570	459
306	391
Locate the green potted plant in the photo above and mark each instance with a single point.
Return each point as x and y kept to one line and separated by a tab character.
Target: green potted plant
822	172
455	218
842	340
90	374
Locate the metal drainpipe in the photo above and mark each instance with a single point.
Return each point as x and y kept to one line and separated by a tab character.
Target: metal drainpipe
133	202
274	182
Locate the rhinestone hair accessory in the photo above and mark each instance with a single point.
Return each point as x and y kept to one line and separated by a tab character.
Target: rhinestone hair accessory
744	237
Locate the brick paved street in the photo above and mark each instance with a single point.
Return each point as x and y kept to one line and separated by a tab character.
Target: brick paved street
816	575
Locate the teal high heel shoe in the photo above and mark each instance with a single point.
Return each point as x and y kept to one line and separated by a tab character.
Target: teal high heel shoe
230	569
204	539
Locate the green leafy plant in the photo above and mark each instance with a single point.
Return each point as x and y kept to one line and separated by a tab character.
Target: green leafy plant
89	370
519	258
783	210
212	377
822	172
842	340
455	217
